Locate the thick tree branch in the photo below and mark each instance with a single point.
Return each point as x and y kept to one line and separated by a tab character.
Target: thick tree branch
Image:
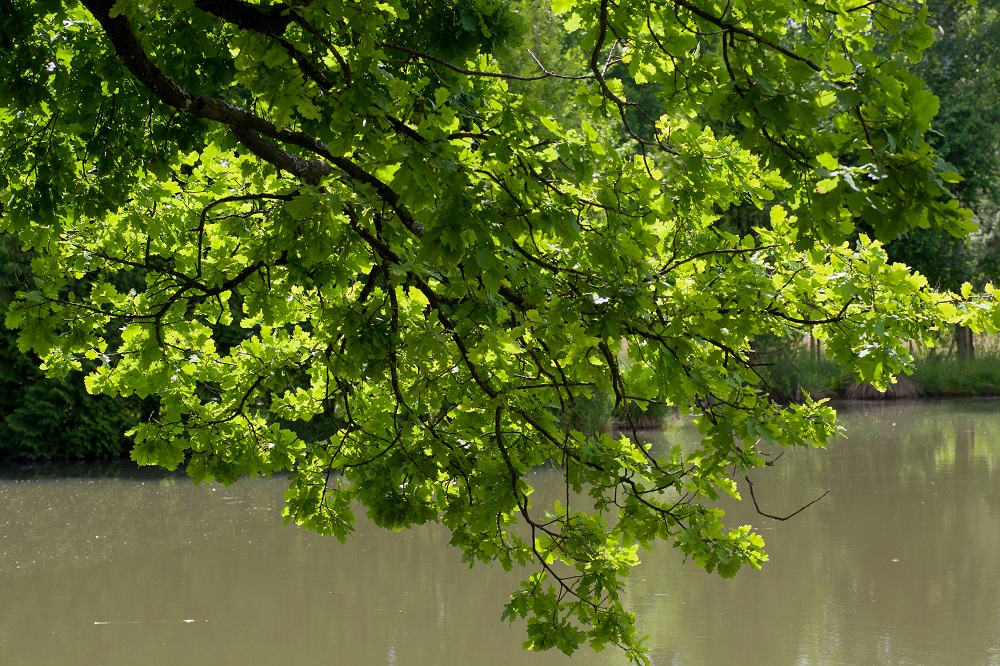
249	128
268	19
310	171
272	21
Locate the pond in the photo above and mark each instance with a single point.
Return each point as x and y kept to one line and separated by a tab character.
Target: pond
898	564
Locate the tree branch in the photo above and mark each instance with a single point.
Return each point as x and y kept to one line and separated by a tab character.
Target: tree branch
461	70
249	128
768	515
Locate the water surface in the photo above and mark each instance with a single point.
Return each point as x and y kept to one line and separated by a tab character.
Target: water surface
897	565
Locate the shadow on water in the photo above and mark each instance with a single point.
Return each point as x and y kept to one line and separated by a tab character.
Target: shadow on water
83	469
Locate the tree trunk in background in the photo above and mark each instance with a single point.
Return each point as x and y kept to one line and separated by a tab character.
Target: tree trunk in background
965	342
815	348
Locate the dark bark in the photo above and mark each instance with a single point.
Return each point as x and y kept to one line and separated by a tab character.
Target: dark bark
248	128
965	342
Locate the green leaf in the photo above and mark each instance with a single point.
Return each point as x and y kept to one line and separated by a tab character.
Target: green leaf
828	161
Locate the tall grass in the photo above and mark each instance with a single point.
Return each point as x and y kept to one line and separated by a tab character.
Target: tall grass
796	370
594	414
597	414
951	376
792	370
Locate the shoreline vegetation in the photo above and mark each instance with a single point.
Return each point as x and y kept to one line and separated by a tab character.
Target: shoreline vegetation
793	371
790	372
941	372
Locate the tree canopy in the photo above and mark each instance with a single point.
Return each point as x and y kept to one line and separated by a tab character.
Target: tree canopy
267	214
962	67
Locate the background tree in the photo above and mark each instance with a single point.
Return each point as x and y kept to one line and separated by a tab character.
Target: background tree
962	68
404	241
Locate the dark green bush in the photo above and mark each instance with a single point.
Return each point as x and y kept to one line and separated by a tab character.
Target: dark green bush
52	418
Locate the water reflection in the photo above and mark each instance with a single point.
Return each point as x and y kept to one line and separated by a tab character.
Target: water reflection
895	566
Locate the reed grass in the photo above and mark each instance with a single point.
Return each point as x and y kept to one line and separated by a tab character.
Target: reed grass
795	372
951	376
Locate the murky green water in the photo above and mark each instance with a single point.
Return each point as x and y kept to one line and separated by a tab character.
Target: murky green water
899	564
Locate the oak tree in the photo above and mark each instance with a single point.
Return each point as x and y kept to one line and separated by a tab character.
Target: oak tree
348	212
